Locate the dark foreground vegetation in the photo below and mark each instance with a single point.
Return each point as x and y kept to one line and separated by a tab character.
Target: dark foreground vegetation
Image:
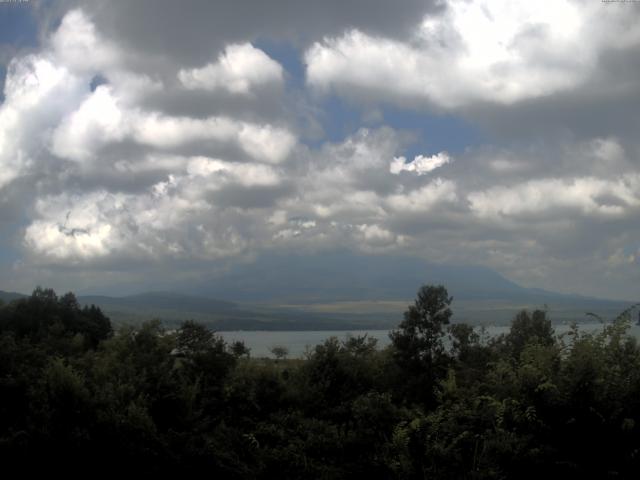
441	402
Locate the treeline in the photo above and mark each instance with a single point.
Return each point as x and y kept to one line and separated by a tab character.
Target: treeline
441	402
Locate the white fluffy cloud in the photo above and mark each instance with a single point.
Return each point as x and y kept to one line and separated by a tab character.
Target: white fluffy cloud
200	209
425	198
420	164
586	196
96	122
77	228
170	220
50	108
374	236
95	137
112	160
78	45
240	69
480	51
43	88
103	119
248	175
37	92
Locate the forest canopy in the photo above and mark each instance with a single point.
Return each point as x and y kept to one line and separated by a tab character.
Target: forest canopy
442	401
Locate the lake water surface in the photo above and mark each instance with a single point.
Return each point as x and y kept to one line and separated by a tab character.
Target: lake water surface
298	342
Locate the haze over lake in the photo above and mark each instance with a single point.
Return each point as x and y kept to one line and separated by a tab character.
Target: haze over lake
298	343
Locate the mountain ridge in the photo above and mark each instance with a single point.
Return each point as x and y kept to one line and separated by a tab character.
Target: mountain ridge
312	292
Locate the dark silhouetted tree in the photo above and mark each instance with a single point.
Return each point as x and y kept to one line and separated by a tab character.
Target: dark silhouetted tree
418	345
529	328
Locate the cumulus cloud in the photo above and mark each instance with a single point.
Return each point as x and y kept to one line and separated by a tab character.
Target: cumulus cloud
588	196
82	50
74	227
480	51
78	46
168	221
97	121
425	198
295	227
54	120
240	69
420	164
111	159
248	175
101	119
44	87
375	237
36	92
203	208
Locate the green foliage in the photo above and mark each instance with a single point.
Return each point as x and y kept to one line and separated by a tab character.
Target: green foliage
145	400
529	328
419	337
418	344
58	323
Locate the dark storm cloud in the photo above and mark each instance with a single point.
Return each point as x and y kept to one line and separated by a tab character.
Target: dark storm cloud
250	198
605	106
192	32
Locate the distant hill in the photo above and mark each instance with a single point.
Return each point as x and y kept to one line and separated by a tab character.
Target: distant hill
7	297
173	308
162	300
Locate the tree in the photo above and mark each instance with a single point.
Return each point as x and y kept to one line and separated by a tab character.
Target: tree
418	346
462	338
279	352
57	322
205	361
239	349
194	338
529	328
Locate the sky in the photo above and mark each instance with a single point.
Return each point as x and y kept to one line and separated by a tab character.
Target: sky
163	139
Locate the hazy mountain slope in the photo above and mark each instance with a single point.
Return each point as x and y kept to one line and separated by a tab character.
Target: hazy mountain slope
9	296
174	308
339	291
347	277
162	300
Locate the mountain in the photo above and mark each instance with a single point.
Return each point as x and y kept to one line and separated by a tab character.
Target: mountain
343	276
349	277
7	297
339	291
345	283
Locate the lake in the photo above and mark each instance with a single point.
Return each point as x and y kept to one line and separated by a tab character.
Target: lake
298	341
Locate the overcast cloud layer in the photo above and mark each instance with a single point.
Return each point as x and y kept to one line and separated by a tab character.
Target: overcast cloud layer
161	137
